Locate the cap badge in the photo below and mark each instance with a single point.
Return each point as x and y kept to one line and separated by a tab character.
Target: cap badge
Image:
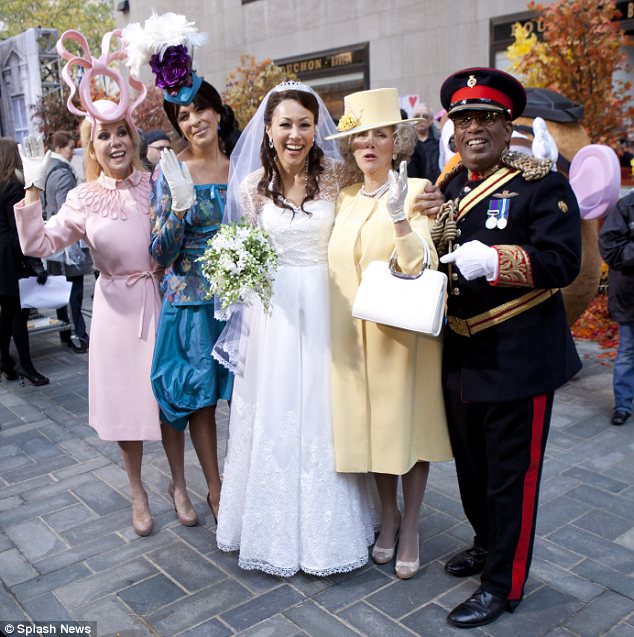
471	82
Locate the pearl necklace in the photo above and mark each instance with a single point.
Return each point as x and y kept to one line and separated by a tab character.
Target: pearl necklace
378	193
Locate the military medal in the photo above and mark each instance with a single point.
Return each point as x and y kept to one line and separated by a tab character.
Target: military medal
503	217
498	214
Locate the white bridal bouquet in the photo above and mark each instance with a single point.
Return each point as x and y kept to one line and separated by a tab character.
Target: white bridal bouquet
240	263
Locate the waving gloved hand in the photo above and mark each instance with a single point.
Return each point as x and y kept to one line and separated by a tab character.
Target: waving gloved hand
179	181
397	193
474	259
34	162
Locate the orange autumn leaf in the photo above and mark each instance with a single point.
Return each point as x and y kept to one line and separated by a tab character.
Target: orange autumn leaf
596	325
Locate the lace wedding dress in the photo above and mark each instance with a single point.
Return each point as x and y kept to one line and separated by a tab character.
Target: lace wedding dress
283	506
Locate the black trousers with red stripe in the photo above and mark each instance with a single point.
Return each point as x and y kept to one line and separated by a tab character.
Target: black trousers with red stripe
499	451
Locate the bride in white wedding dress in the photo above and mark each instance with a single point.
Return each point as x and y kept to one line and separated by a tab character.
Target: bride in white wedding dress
283	506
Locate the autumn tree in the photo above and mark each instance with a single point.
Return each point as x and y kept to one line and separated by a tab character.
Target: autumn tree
93	18
150	114
249	83
51	114
581	50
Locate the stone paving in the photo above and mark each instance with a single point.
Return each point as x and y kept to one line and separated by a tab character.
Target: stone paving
68	551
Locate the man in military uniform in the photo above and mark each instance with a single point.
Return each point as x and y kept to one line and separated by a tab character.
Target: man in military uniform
508	345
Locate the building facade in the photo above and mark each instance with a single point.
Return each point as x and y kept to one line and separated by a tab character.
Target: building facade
29	68
339	47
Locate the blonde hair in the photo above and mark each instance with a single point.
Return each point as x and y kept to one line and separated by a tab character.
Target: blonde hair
404	136
92	168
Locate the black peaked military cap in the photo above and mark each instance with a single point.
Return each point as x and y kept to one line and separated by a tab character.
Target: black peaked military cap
483	89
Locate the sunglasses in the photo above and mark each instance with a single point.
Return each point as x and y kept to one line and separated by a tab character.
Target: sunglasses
486	118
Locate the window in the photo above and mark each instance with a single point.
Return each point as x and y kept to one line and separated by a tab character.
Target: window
20	119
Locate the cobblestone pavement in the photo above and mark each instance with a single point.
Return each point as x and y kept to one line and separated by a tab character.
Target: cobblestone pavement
68	551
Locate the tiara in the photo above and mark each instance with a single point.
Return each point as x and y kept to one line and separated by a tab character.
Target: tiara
293	85
99	66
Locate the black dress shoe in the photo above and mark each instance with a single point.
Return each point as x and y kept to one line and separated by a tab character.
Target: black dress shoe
620	417
9	373
78	345
33	375
480	609
467	563
7	368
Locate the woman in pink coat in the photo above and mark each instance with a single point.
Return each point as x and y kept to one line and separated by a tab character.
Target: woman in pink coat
111	213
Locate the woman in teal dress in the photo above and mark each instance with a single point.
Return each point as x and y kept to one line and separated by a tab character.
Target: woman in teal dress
187	205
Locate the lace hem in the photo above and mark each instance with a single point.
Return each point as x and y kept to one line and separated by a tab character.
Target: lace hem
234	369
270	569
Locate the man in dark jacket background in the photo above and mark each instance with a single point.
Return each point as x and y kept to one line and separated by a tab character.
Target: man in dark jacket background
616	244
424	163
75	261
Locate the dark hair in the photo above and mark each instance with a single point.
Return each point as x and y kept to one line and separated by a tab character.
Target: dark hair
270	183
9	160
60	139
208	97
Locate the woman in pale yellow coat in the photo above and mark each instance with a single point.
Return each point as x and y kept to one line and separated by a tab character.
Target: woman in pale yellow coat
388	412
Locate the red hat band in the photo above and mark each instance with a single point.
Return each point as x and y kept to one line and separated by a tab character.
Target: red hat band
483	93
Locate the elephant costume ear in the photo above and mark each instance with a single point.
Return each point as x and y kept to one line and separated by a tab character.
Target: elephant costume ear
595	178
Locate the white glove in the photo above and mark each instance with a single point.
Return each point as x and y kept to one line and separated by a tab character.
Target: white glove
474	259
34	162
179	180
397	193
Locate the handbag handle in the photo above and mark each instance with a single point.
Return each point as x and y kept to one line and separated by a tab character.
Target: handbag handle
404	275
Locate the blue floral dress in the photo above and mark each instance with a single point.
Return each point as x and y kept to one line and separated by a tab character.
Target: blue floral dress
184	376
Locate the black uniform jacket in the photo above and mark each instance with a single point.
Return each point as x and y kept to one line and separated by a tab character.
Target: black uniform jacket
616	244
540	248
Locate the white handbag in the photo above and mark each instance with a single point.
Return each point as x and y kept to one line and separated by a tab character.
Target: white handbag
413	302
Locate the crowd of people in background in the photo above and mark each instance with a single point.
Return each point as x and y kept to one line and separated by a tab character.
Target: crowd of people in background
328	413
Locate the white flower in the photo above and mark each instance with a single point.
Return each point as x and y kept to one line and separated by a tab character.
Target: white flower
239	265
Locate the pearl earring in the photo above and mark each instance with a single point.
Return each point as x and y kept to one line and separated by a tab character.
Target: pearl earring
394	157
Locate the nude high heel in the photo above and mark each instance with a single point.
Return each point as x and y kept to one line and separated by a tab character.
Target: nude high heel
185	518
407	570
383	556
142	521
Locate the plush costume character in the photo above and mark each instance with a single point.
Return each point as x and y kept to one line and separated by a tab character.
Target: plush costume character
594	176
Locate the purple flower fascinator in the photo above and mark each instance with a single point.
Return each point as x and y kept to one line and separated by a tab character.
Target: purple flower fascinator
165	43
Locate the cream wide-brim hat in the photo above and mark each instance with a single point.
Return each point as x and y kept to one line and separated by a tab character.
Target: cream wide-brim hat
366	110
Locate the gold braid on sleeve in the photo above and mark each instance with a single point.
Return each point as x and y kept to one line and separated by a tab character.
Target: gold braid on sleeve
443	232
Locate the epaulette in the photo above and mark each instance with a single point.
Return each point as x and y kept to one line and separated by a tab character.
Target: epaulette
532	168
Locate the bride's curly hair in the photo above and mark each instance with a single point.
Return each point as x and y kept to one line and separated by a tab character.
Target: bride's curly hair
270	184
